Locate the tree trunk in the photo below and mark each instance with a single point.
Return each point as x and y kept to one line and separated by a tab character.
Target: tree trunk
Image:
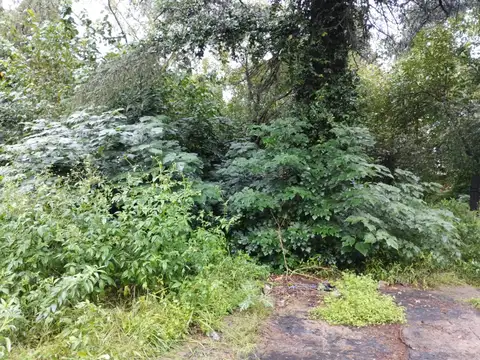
475	192
326	58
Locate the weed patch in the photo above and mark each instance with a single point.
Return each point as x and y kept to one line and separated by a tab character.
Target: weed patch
152	325
79	282
237	338
424	273
358	303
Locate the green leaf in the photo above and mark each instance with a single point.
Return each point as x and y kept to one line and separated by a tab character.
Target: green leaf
362	247
370	238
8	344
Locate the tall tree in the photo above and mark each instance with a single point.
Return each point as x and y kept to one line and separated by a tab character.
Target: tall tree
311	39
325	57
424	110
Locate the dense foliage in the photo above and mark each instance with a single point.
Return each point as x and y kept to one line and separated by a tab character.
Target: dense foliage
425	110
109	140
144	152
328	199
64	246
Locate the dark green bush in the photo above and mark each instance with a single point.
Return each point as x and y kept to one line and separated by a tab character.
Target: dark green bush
468	225
328	199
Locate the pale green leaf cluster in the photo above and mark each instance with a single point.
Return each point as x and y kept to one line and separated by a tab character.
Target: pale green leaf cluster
108	140
357	302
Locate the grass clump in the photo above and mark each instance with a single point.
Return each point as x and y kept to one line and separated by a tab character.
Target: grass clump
238	333
89	331
475	302
358	304
424	272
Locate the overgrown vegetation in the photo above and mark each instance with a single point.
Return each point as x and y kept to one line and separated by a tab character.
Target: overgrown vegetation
329	199
63	248
357	302
424	272
155	159
153	323
237	337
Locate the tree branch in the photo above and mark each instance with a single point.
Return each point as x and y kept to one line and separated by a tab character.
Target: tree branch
118	22
442	6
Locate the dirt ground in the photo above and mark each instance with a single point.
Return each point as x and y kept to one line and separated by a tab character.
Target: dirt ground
441	325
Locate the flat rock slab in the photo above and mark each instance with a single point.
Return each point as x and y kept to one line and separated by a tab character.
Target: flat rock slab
290	338
440	326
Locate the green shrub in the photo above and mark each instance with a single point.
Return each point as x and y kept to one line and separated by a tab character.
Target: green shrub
358	304
221	288
424	271
109	140
44	60
328	199
468	225
10	314
62	246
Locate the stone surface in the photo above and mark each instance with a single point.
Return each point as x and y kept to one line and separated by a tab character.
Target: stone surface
440	326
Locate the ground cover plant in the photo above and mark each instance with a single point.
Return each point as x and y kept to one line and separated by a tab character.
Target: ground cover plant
357	302
475	303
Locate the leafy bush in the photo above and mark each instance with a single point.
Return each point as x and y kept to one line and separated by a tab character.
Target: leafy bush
358	304
152	324
423	110
62	245
423	271
468	225
62	239
208	138
43	61
221	288
114	85
157	85
328	198
10	314
109	140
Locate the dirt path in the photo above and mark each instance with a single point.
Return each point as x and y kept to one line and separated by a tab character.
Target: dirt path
440	326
